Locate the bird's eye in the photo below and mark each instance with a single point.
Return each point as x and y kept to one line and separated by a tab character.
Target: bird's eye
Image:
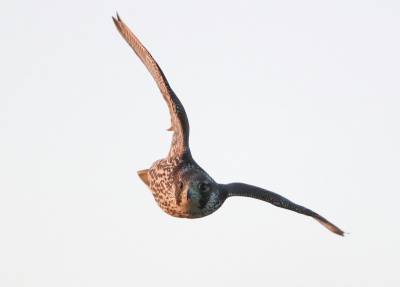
180	185
203	187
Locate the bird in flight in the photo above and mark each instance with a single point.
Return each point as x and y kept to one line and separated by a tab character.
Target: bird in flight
179	185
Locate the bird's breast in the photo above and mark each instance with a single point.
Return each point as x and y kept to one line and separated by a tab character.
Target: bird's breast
161	176
163	182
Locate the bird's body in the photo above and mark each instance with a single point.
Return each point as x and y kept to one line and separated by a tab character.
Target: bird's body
179	185
165	176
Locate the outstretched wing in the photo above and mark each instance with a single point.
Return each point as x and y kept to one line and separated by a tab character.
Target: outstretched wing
179	120
241	189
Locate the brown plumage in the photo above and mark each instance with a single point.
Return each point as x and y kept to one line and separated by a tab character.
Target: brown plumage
179	185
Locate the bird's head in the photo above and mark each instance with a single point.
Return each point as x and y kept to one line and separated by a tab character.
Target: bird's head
195	189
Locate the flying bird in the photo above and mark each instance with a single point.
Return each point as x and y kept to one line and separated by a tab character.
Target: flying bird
179	185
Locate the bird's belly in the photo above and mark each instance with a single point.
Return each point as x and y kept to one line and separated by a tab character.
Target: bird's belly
167	202
169	206
161	185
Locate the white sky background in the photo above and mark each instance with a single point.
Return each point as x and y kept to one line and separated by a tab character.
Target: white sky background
298	97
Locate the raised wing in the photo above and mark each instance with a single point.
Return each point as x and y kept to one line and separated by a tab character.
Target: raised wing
179	120
241	189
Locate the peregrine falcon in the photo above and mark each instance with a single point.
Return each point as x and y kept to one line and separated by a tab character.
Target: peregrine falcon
179	185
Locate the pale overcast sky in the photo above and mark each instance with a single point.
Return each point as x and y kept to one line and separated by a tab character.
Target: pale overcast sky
298	97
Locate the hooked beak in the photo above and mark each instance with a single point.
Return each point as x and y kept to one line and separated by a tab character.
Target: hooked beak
191	192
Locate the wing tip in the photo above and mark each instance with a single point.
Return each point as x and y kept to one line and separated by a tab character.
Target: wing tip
331	227
118	22
118	18
340	233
